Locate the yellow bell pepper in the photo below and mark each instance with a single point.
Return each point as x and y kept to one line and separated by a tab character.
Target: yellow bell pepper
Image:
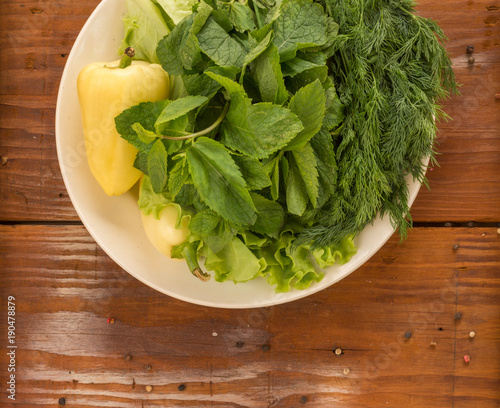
162	232
104	91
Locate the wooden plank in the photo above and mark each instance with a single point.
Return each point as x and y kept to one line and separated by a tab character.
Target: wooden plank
282	356
35	46
35	42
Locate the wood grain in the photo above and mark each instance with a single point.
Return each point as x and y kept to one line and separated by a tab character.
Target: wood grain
66	288
282	356
34	49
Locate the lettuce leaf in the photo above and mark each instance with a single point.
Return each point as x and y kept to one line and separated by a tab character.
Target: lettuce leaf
178	9
144	26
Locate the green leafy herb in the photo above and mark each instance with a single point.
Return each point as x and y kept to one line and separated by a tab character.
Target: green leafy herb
258	129
390	69
219	182
157	166
221	47
309	105
301	24
293	123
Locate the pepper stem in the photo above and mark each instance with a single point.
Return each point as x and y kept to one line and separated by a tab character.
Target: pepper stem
127	56
191	257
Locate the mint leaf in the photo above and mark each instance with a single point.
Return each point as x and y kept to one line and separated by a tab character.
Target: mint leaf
334	114
302	62
200	84
145	114
267	72
219	182
259	45
255	51
230	85
259	129
204	222
221	17
270	216
242	17
213	229
322	146
141	162
177	109
305	160
219	46
157	166
144	135
301	24
178	176
307	77
296	190
253	172
309	105
272	168
180	49
328	48
301	177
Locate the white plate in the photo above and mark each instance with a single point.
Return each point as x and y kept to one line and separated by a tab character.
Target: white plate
115	222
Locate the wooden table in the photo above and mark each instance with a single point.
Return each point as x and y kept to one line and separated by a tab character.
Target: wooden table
88	334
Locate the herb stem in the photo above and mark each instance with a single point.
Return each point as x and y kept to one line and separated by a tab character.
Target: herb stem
204	131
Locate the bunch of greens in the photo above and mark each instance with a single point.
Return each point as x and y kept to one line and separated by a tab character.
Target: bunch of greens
278	173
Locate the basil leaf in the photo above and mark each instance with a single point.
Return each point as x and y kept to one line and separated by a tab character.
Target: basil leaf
219	182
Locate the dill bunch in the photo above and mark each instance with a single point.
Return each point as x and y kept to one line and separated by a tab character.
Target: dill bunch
391	70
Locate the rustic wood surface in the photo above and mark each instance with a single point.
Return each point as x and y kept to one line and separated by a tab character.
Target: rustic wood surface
67	291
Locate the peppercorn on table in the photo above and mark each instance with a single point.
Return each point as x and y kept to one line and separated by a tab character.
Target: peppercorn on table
418	325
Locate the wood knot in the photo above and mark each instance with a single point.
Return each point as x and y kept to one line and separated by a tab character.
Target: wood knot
36	10
491	21
30	61
388	259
